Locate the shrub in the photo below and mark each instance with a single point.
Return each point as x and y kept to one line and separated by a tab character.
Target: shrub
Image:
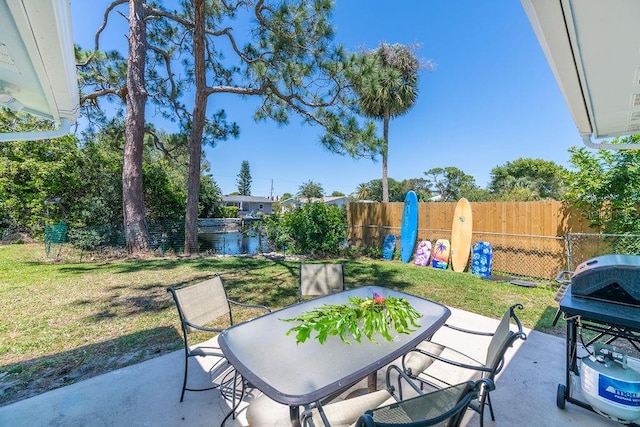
314	228
225	212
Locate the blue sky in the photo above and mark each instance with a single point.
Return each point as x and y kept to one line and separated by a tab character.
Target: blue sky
491	99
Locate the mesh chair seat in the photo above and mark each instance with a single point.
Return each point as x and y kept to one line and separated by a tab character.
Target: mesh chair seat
443	407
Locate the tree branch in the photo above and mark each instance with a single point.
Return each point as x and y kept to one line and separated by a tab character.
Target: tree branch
93	96
105	19
157	142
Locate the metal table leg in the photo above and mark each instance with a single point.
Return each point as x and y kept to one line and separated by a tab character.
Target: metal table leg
234	404
294	415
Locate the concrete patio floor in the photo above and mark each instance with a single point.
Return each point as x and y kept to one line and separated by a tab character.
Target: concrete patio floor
147	394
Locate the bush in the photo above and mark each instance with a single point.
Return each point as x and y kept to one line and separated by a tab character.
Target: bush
225	212
276	235
315	228
91	238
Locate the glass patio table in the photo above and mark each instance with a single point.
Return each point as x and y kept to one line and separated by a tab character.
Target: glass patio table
300	374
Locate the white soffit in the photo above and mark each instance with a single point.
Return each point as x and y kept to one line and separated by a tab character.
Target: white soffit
593	49
37	63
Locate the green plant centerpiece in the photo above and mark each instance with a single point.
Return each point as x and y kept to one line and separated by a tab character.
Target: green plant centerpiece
358	317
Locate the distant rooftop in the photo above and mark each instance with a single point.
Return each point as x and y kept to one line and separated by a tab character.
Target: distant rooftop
238	198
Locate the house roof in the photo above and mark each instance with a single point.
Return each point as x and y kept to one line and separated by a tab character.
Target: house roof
246	199
327	199
37	64
593	49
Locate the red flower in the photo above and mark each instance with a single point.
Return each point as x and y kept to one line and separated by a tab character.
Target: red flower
378	299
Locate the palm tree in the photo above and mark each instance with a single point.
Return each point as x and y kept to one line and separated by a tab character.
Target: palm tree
387	87
362	191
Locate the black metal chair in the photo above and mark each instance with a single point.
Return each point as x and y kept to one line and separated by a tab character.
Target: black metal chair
320	279
440	366
199	305
444	407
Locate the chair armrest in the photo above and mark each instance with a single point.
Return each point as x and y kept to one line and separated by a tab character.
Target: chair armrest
242	304
401	376
469	331
202	328
462	360
344	412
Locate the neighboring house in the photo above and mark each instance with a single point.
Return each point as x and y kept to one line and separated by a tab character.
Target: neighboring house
295	202
249	205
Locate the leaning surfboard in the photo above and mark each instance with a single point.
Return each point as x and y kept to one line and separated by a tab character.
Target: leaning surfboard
461	231
409	228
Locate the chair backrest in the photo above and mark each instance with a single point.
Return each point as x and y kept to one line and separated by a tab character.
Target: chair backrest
320	279
503	338
201	303
444	407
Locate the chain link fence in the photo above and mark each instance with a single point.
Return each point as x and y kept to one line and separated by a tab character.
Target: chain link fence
513	254
584	246
521	255
541	257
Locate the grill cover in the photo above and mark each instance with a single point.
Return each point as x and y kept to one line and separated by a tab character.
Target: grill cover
611	278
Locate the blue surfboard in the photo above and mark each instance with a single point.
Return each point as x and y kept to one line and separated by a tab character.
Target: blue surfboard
409	228
388	246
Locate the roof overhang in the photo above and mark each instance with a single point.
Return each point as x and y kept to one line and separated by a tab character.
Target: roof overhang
593	49
37	64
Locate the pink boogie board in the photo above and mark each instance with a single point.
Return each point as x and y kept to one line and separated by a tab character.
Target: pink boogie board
423	253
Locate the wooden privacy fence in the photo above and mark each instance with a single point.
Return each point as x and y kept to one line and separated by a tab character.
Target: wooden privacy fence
528	238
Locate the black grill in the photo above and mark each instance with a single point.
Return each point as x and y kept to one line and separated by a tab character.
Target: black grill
610	278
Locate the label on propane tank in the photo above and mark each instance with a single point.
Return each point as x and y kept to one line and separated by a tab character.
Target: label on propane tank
622	392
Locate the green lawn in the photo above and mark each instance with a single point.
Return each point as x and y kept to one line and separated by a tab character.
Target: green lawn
66	321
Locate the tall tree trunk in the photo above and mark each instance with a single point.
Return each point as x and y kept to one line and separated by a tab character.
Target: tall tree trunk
385	157
135	225
197	129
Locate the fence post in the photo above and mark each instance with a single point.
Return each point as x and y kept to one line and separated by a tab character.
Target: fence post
568	249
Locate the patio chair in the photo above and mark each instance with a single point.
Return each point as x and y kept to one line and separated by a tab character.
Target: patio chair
320	279
443	407
199	305
441	366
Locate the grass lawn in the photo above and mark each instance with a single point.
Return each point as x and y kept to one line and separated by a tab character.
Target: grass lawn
61	322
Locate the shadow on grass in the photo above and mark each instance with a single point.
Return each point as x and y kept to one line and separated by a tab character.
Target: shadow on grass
365	274
28	378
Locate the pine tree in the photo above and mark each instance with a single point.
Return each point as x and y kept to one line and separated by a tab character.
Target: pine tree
244	179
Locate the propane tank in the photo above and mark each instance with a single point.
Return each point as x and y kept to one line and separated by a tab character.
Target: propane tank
610	382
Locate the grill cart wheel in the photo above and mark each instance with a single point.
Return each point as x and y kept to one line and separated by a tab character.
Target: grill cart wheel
560	399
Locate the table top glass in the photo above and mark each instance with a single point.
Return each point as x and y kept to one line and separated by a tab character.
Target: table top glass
298	374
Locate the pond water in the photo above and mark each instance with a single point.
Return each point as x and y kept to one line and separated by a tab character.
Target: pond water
233	243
